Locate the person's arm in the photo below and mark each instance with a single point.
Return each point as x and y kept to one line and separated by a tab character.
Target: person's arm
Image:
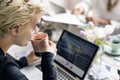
22	62
113	23
48	50
48	67
26	60
85	6
9	69
98	20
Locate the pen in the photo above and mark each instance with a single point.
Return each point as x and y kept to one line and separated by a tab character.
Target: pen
117	59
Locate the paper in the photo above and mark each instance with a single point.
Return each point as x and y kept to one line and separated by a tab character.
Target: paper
66	18
103	72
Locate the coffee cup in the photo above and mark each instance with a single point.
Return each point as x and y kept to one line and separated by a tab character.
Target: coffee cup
115	45
37	41
40	36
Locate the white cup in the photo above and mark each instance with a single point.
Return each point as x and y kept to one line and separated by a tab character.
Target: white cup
115	45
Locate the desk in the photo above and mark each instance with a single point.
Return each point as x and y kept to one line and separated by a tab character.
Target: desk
105	65
111	60
32	73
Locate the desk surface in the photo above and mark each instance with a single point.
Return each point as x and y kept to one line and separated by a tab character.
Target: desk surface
112	60
32	73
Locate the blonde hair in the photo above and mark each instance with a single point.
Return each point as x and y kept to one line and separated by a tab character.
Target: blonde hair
17	12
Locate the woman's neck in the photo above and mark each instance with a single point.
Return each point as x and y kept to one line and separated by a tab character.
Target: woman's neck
5	44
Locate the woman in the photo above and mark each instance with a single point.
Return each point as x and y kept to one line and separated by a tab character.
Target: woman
105	12
18	19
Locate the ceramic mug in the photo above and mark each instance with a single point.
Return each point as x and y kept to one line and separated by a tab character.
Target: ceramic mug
115	45
37	41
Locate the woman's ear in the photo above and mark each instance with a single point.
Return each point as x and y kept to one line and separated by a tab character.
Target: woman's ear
14	30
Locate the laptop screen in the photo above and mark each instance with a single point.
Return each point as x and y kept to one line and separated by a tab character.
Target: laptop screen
75	54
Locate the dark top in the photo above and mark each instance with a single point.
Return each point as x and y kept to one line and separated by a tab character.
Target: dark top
10	68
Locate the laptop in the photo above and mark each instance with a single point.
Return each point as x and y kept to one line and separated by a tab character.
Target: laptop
74	56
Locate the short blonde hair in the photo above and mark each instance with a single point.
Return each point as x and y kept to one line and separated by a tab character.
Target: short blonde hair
17	12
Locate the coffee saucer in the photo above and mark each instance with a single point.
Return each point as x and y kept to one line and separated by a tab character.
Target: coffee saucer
109	50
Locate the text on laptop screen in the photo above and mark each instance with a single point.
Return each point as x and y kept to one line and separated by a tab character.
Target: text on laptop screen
76	50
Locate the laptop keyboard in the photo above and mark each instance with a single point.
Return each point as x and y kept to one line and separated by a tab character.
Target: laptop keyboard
60	74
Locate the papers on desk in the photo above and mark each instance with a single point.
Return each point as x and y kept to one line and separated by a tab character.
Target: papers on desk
103	71
66	18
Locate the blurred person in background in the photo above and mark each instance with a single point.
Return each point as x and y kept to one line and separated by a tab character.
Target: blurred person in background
18	21
101	12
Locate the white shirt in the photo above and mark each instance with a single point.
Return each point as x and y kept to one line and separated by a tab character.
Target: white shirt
98	8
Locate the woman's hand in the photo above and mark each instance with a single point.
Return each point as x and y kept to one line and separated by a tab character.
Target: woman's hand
77	11
48	47
31	58
41	43
52	48
98	20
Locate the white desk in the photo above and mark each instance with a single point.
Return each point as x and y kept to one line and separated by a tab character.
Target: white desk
105	65
111	60
32	73
105	60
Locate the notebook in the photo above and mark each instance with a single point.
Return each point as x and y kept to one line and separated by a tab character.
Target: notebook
74	55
